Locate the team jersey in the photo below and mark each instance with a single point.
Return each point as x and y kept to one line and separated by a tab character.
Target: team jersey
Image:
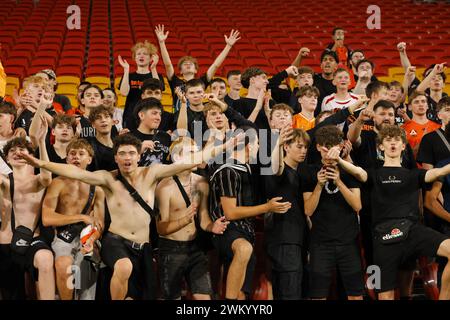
415	132
299	121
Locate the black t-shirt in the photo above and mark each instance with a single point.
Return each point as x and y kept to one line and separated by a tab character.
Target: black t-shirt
229	101
88	132
25	118
232	181
167	119
395	192
432	149
136	80
367	155
326	87
245	106
162	142
178	82
334	221
195	119
288	227
103	156
52	157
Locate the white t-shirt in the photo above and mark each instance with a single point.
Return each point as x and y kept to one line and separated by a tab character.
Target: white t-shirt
331	103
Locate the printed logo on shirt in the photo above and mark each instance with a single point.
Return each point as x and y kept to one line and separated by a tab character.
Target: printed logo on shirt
395	233
136	84
413	132
22	243
391	179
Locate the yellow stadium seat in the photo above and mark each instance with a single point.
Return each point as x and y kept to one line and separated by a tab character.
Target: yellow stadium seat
102	82
67	89
394	71
68	80
13	81
385	79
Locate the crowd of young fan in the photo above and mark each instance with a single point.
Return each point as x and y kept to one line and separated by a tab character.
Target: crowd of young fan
338	171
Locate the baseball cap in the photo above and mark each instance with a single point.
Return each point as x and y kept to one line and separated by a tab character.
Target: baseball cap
328	52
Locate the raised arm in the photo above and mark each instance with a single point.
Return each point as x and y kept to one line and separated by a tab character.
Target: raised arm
230	42
125	82
425	84
153	70
162	37
51	218
278	153
303	53
259	104
98	178
401	47
434	174
359	173
354	130
182	121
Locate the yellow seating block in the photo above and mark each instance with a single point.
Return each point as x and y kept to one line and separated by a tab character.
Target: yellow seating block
102	82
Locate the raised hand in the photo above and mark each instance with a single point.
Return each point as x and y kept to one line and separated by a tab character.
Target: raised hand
304	52
292	71
124	64
155	60
180	94
401	47
366	115
278	207
333	153
410	73
233	38
439	68
159	30
286	134
220	225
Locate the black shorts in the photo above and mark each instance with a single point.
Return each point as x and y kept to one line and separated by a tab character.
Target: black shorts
142	283
287	271
12	285
421	241
182	259
325	259
26	261
223	245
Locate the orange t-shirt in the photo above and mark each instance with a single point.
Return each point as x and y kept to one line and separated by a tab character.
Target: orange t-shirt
415	132
300	122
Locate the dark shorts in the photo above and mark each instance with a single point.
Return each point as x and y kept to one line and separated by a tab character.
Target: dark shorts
325	259
12	285
26	261
421	241
223	245
182	259
141	284
287	271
